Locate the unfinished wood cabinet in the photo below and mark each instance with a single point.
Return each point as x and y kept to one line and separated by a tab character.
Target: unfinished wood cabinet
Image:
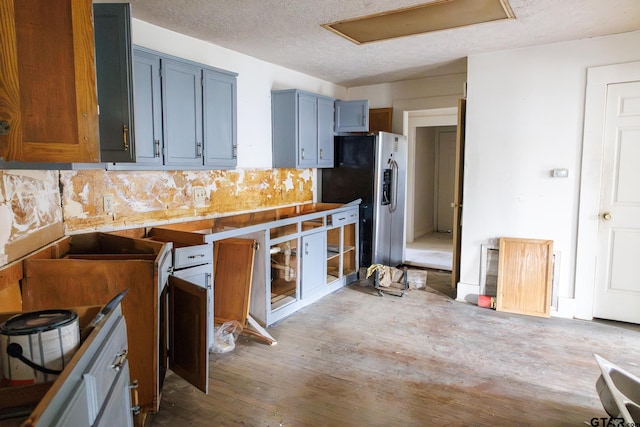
48	107
525	272
167	325
233	274
380	120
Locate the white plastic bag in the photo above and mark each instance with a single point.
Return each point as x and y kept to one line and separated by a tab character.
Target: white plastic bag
225	335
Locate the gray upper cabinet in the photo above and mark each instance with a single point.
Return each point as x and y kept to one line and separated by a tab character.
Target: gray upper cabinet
182	113
302	129
148	108
185	114
220	122
352	116
112	23
325	132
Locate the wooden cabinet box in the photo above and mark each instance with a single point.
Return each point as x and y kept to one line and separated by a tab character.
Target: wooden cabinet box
67	400
91	268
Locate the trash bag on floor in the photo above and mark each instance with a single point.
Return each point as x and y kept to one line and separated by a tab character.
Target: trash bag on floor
225	335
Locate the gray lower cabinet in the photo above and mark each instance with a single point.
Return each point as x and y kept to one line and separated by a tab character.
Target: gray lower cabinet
313	263
302	129
94	389
112	31
202	275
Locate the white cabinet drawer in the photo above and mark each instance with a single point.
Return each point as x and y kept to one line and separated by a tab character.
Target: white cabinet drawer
189	256
344	217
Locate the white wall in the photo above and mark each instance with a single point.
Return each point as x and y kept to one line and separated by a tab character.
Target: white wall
423	194
412	95
525	111
256	79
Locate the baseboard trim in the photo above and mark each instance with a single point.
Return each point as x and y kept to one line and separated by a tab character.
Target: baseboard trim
468	292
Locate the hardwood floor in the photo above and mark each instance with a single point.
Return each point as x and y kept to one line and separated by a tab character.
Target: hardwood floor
356	359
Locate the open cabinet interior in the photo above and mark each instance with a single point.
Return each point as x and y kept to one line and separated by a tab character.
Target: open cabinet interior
284	273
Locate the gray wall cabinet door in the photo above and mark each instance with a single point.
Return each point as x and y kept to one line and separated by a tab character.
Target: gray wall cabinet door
314	263
147	108
307	130
352	116
219	118
325	132
112	23
182	112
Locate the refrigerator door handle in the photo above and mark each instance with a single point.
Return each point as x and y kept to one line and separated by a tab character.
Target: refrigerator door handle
394	177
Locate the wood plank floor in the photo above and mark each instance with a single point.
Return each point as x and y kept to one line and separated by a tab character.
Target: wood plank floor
356	359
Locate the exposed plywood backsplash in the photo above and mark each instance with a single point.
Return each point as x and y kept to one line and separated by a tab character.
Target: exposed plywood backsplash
37	207
156	197
30	211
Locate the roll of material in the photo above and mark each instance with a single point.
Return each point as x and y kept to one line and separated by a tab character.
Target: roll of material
36	346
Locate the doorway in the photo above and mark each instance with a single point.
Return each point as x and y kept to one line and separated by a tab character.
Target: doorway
430	188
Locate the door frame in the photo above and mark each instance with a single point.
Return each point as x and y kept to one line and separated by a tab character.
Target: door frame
598	78
415	119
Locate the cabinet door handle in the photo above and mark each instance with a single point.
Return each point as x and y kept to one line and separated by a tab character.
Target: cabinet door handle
125	142
196	256
157	144
235	151
199	149
303	154
321	157
306	249
122	358
136	405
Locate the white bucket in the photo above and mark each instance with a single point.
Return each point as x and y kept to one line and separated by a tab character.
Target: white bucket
47	338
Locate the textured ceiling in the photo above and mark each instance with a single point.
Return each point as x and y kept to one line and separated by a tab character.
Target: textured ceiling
288	33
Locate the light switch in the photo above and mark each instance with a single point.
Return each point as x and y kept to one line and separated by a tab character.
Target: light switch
560	173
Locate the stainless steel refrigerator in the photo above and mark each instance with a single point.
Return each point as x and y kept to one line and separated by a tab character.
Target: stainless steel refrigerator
372	168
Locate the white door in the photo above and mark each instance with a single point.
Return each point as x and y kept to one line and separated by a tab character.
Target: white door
617	284
446	179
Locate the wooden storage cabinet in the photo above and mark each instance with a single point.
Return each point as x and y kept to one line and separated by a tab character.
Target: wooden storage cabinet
92	268
89	391
48	48
302	129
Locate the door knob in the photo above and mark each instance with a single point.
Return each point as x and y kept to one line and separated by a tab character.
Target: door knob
606	216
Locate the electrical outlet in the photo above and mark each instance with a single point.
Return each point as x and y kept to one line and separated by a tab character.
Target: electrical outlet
107	203
199	196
